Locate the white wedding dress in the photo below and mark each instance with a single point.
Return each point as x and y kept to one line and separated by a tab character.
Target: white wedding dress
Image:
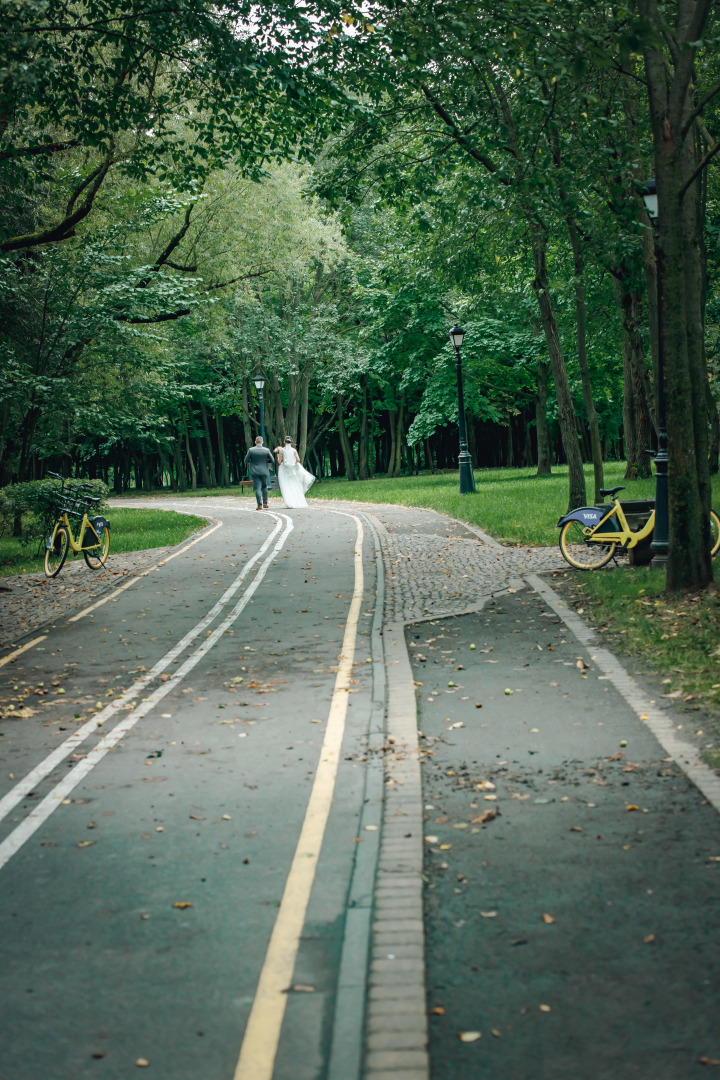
294	481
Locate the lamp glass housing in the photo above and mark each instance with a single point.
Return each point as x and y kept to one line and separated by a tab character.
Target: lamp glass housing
457	335
650	198
259	381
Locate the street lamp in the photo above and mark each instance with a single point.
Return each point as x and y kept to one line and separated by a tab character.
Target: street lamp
259	381
660	545
467	480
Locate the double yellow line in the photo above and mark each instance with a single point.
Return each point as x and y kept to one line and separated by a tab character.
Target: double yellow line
262	1034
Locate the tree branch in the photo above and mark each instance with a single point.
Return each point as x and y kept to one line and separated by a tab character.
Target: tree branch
457	133
177	266
703	164
66	228
708	97
33	151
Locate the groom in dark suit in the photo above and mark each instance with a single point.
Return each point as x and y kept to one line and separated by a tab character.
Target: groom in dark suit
259	459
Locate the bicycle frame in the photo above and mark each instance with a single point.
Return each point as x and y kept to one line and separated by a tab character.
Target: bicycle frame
86	527
610	527
624	536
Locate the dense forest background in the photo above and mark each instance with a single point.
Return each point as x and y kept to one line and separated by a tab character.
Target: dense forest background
189	196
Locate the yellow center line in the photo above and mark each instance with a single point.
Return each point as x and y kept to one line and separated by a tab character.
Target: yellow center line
23	648
262	1034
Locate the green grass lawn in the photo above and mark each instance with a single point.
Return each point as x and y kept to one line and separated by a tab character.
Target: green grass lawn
130	530
513	505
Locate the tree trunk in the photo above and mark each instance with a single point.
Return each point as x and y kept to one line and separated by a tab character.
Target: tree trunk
472	444
397	467
429	463
364	440
302	447
636	413
247	433
566	409
211	470
345	443
180	478
202	461
543	434
681	269
390	468
188	451
224	472
714	439
594	427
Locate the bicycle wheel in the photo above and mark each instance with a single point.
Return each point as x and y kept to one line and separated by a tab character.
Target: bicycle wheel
714	533
97	556
56	551
581	554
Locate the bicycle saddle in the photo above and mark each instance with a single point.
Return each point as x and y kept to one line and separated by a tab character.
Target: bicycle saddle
612	491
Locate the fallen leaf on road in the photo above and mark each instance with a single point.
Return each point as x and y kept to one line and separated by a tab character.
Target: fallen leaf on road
575	828
632	806
545	1008
581	665
302	988
548	919
142	1063
488	914
648	939
85	843
469	1036
496	1033
196	817
437	1010
708	1061
487	815
431	839
182	904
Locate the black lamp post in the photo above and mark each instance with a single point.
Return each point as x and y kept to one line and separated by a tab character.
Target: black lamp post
660	545
467	479
259	381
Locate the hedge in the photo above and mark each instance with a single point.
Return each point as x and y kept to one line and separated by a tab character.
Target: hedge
30	509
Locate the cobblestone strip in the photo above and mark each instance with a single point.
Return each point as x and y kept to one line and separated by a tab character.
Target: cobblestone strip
434	576
396	1020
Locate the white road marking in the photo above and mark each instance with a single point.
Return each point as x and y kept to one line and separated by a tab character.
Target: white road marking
50	803
29	782
99	603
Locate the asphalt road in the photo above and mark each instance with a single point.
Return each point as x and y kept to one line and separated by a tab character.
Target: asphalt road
141	876
572	892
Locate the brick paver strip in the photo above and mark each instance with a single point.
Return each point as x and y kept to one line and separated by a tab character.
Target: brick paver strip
396	1020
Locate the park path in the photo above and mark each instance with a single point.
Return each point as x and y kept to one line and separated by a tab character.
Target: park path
459	816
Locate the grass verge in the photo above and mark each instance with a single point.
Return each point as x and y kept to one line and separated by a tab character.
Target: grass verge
675	639
130	530
513	505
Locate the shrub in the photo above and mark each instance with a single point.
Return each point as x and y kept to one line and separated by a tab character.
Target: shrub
31	508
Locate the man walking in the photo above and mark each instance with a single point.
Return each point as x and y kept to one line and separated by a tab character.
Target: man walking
259	458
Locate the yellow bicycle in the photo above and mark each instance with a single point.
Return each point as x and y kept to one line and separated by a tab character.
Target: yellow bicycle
591	535
94	537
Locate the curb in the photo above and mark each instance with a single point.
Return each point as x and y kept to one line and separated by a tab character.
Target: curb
396	1022
683	753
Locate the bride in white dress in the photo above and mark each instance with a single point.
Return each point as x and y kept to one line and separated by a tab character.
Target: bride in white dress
294	481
